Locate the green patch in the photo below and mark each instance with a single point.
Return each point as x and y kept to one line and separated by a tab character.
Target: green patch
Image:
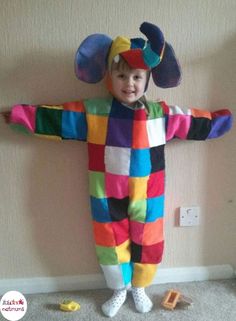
21	129
48	121
97	184
107	255
155	110
98	106
137	210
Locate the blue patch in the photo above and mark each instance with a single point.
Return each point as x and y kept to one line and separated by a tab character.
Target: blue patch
127	272
74	125
99	207
140	164
118	110
155	208
137	43
150	58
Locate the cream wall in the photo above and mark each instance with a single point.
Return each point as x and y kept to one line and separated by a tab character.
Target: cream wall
45	227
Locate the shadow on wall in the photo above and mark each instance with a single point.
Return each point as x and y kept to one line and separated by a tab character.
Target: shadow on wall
58	196
221	161
209	170
220	189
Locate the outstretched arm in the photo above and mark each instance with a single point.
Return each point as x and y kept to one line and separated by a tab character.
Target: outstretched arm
196	124
66	121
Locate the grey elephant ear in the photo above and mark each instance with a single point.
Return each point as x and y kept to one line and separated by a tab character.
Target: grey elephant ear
91	58
168	73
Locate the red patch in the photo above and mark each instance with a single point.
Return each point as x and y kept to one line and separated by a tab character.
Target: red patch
96	157
134	58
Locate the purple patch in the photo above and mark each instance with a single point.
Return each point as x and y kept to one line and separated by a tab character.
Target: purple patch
119	132
220	125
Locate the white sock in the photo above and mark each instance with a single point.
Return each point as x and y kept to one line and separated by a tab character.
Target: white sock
112	306
141	300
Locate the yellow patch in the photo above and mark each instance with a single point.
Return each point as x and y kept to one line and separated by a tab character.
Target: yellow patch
119	45
123	252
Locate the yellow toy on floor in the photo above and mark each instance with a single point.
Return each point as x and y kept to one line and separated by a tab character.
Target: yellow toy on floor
69	306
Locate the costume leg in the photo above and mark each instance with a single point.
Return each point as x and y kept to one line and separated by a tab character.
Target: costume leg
146	226
111	231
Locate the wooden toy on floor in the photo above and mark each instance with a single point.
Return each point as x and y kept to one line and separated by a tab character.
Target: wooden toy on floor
173	297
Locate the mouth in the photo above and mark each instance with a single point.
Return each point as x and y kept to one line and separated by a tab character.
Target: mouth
128	92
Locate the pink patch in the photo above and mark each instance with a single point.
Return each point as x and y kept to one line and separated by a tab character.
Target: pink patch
136	232
24	115
116	185
156	184
178	126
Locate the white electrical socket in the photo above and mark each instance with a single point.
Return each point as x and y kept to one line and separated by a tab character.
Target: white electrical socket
189	216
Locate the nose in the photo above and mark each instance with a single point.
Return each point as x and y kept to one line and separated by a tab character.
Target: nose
129	80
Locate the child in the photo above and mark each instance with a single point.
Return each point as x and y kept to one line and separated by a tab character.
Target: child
126	136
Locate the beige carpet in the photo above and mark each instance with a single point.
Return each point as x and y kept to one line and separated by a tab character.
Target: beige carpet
212	301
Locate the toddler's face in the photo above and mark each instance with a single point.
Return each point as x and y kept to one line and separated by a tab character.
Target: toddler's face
128	85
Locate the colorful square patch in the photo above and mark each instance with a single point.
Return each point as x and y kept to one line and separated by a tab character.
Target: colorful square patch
156	132
97	184
120	111
155	208
140	135
117	186
156	184
138	188
153	232
140	162
96	157
117	160
97	129
157	158
106	255
137	210
118	208
103	234
152	253
119	132
123	252
74	125
99	207
48	121
121	231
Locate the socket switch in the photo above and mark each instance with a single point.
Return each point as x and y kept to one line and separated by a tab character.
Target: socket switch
189	216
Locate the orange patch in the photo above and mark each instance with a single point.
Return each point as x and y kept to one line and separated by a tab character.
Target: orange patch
74	106
140	136
153	232
103	234
198	113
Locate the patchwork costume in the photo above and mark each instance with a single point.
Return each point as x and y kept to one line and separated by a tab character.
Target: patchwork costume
126	151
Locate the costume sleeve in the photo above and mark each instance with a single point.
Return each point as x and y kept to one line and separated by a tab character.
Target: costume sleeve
195	124
66	121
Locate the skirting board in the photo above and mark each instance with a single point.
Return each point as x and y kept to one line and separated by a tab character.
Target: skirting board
96	281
